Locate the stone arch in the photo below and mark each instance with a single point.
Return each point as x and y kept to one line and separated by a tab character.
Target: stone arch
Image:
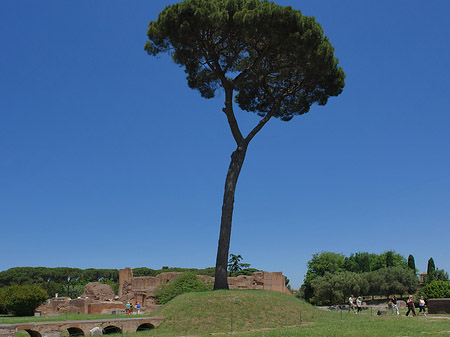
33	333
111	329
145	326
75	332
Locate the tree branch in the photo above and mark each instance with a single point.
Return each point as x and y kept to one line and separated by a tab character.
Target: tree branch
259	126
232	122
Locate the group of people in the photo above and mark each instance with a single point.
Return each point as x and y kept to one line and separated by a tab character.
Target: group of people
410	305
130	308
355	304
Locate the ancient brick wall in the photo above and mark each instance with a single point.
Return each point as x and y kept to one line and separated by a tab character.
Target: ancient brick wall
438	305
141	289
124	275
106	307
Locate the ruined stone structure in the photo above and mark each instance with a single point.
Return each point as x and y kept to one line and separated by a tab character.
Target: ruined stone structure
81	328
142	289
438	305
99	298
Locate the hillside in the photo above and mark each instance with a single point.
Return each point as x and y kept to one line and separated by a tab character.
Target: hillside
240	310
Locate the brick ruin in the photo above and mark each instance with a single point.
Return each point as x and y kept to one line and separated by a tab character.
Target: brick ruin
438	305
142	289
100	298
97	298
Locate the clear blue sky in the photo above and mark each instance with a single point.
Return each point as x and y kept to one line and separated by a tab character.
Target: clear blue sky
109	160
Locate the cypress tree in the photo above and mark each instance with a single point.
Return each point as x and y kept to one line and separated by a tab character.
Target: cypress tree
411	263
431	270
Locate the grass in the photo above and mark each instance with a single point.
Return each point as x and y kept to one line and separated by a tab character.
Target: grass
238	310
272	314
69	317
363	325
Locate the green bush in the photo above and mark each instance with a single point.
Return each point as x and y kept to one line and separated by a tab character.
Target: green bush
21	300
436	289
185	283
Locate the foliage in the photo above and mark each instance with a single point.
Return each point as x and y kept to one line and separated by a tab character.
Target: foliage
441	275
21	300
62	280
363	262
389	259
395	260
411	263
185	283
332	277
235	265
436	289
321	263
431	270
268	48
333	288
247	272
269	59
397	280
360	262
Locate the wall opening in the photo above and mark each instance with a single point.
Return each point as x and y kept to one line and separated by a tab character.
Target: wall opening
75	332
145	326
33	333
111	329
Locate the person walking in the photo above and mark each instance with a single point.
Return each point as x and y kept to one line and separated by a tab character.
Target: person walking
394	305
410	304
351	303
422	306
359	304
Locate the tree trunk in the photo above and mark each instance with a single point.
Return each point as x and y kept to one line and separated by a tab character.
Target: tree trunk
237	160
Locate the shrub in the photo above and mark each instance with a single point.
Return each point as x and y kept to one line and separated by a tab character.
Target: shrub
21	300
436	289
185	283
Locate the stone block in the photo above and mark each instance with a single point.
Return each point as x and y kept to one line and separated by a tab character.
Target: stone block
438	305
96	331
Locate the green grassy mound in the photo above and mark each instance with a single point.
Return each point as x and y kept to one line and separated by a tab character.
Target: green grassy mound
237	310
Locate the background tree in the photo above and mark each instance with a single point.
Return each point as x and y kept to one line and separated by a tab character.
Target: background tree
389	259
431	270
394	258
360	262
185	283
411	263
61	280
441	275
235	264
375	281
21	300
373	277
436	289
336	288
268	59
397	280
320	264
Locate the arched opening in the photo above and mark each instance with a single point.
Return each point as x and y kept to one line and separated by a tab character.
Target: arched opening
33	333
145	326
75	332
111	329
